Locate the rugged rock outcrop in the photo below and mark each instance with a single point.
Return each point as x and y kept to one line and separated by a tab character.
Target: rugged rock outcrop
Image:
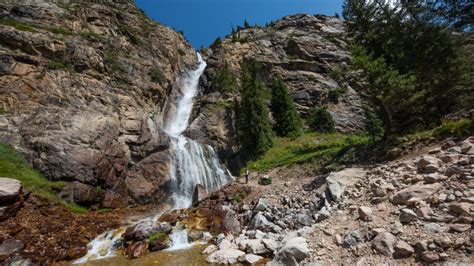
306	51
83	88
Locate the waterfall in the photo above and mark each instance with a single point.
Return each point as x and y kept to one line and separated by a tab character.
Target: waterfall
192	163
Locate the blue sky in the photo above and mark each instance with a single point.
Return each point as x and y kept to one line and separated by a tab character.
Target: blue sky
203	20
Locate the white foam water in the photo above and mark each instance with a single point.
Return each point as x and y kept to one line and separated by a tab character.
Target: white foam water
192	164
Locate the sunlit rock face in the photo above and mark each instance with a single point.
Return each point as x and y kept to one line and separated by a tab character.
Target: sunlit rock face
83	91
306	51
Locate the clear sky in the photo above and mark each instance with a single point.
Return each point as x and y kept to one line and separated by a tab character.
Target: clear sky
204	20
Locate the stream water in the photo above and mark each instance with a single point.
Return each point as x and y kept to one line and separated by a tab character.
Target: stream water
192	164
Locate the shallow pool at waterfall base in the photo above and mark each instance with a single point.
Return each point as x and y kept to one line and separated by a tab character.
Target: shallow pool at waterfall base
191	256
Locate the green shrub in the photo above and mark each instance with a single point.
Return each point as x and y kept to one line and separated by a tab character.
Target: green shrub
14	166
159	235
19	25
450	128
157	75
60	30
334	94
320	120
181	52
225	80
265	181
217	42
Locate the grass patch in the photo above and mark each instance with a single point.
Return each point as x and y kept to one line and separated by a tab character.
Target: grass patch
448	128
105	210
12	165
213	108
19	25
239	197
307	148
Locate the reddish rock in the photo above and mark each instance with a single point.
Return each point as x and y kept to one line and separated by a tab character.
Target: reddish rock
199	194
137	250
76	252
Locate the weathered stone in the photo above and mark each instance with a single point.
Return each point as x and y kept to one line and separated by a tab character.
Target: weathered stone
339	181
199	194
403	249
422	192
433	228
226	256
459	228
76	252
407	216
295	247
225	244
365	213
453	170
230	221
145	229
137	249
384	243
435	177
10	247
10	190
250	258
270	244
351	239
461	208
260	222
430	256
210	249
261	205
80	193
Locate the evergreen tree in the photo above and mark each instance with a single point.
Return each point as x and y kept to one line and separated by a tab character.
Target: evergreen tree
392	44
320	120
225	80
336	15
246	24
287	120
254	131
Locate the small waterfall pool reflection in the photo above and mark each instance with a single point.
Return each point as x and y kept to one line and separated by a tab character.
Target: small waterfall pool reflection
192	164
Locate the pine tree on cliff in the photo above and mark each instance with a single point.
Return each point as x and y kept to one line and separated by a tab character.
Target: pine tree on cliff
287	120
254	130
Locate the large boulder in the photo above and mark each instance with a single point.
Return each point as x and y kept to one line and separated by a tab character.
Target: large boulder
199	194
295	247
145	229
10	247
230	221
225	256
419	191
81	193
10	190
260	222
338	181
384	243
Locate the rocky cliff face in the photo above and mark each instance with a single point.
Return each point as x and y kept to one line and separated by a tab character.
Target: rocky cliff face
305	51
82	91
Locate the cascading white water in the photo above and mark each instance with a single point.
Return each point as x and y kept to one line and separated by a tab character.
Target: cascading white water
192	164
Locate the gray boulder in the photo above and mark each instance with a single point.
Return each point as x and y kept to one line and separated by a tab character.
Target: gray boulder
225	256
384	243
10	190
295	247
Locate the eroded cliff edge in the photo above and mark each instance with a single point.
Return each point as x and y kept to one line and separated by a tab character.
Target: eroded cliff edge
82	91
